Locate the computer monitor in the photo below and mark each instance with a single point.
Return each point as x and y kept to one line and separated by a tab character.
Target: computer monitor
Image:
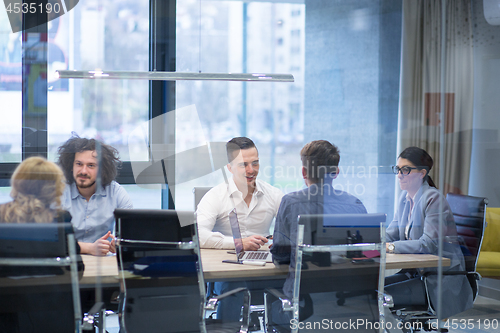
334	229
150	225
153	224
34	240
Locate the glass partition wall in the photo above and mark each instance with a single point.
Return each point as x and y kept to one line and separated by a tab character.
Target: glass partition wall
372	77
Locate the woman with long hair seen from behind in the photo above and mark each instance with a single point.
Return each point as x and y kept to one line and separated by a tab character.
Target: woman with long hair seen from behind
37	186
420	211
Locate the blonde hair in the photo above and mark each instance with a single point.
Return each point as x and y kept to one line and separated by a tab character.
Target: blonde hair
37	186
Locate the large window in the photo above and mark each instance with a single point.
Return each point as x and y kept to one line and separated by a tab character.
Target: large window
111	35
345	88
254	37
40	111
10	91
356	85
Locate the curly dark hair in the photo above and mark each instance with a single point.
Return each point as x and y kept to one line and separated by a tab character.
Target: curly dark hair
108	164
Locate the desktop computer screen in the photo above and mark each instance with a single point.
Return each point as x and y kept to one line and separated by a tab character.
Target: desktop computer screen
335	229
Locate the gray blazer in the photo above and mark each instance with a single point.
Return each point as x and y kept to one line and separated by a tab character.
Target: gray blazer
423	237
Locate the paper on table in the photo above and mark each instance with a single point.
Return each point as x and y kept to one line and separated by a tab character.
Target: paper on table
371	253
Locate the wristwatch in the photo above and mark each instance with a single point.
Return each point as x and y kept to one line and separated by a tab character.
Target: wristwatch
390	247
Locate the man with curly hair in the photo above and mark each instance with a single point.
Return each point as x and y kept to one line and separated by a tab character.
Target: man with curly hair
87	163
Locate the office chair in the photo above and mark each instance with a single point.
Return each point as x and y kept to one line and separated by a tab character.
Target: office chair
199	193
469	216
44	294
161	275
316	261
257	308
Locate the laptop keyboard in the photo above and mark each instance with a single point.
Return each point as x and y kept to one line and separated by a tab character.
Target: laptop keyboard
257	255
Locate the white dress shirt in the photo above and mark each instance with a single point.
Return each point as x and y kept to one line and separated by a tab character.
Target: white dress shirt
213	210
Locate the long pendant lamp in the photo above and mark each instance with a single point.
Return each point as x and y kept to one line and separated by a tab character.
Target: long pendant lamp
172	76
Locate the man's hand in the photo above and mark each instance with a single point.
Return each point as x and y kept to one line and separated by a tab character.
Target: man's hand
112	244
253	243
100	247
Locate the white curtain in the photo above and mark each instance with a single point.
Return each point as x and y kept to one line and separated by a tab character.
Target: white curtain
420	90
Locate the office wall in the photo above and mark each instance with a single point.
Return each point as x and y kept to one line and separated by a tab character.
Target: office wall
484	177
351	91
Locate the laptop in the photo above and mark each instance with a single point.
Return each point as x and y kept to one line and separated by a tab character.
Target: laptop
248	256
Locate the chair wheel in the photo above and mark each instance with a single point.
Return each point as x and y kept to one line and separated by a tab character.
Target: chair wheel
341	301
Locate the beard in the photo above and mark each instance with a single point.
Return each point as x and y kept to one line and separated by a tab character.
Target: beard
85	186
80	184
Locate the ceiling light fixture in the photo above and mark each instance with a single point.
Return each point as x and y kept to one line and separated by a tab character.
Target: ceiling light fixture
172	76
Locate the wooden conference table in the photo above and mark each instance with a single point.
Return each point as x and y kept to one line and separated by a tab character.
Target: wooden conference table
105	269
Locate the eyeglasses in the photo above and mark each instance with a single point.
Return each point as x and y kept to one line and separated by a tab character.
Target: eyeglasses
404	170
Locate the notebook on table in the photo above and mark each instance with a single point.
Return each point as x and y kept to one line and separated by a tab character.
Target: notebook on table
241	255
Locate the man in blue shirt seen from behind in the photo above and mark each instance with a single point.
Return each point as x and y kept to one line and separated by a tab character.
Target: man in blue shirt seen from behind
320	161
92	207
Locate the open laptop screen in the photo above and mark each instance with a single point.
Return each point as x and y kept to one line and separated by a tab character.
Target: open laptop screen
235	227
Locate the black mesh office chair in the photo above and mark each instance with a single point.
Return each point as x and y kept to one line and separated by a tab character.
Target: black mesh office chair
161	275
199	193
39	290
257	307
324	263
469	215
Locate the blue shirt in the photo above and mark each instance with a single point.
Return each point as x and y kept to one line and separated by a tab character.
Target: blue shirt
312	200
94	218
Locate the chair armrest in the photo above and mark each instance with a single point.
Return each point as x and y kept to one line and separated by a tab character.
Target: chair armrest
475	274
424	277
388	300
212	303
89	319
286	304
232	292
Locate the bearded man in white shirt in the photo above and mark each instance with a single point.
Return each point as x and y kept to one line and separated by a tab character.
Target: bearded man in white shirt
256	202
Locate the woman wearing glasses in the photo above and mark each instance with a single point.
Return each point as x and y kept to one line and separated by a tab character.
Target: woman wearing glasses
421	209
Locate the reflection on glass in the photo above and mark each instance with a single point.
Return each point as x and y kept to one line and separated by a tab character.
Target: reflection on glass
242	37
112	35
331	52
10	91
